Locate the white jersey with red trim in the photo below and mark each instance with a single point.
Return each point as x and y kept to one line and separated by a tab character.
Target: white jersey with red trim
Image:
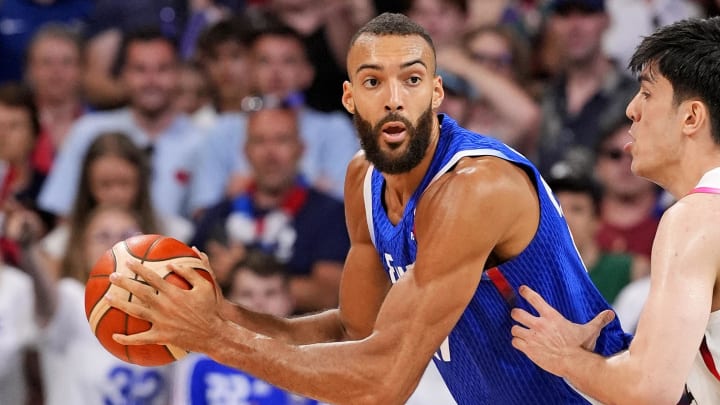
702	384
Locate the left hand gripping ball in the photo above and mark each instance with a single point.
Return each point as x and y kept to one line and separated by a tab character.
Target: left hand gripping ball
154	252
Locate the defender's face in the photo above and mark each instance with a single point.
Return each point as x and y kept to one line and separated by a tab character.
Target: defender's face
393	92
656	132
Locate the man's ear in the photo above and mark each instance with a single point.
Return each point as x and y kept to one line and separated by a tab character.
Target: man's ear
347	97
695	116
438	92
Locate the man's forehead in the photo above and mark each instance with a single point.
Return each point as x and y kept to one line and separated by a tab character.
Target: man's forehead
380	47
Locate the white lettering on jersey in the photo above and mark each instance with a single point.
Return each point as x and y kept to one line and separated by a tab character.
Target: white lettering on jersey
396	272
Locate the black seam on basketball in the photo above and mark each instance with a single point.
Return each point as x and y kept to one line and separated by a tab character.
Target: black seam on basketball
147	252
112	252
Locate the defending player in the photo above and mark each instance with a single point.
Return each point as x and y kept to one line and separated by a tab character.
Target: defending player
445	224
675	142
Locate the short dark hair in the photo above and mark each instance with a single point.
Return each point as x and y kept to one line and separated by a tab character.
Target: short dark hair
394	24
17	95
261	264
230	29
687	54
144	34
579	184
461	5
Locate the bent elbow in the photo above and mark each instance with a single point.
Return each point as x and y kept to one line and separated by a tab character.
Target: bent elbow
657	394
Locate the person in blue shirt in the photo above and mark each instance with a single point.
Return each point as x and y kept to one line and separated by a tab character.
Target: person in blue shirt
445	225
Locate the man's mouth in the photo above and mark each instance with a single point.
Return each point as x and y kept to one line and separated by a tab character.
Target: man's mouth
394	132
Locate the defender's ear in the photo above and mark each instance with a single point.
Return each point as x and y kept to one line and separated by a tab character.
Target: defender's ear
696	116
347	97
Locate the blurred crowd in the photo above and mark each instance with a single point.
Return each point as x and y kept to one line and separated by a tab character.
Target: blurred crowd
220	123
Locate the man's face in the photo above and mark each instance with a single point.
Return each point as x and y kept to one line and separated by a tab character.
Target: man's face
443	20
656	132
580	215
266	295
16	134
280	67
613	167
273	149
54	69
150	75
580	35
228	67
393	93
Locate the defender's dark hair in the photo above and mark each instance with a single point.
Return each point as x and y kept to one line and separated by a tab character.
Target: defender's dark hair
687	53
393	24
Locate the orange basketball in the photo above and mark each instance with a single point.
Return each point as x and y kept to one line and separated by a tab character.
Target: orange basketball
154	252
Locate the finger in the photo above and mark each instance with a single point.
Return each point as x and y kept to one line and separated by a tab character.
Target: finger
133	286
518	331
149	276
520	344
602	319
538	302
189	273
132	308
142	338
203	257
523	317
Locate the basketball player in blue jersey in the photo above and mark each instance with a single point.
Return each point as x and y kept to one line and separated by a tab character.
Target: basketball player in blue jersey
445	226
675	142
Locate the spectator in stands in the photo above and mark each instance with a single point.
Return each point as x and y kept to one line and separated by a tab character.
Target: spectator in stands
150	75
76	369
589	94
223	51
17	333
258	283
281	72
54	70
493	60
112	20
114	172
326	28
20	180
281	214
445	20
20	19
579	197
194	98
630	208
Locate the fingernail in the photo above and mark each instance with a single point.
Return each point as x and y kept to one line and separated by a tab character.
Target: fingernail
114	277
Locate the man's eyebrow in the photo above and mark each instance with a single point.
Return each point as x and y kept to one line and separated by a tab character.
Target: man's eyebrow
412	62
373	66
368	66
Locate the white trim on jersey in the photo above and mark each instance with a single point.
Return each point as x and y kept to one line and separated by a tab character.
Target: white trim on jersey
367	196
466	153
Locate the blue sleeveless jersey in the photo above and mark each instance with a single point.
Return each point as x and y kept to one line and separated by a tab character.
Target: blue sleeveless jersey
477	361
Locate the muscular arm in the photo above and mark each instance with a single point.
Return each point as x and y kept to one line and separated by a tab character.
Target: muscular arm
384	365
654	369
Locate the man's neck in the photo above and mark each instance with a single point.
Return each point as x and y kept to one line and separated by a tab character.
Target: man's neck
264	199
153	124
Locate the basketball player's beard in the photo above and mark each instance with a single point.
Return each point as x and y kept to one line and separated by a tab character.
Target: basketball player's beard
419	136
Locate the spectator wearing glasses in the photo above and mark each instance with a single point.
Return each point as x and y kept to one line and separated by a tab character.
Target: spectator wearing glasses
630	208
589	92
492	60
